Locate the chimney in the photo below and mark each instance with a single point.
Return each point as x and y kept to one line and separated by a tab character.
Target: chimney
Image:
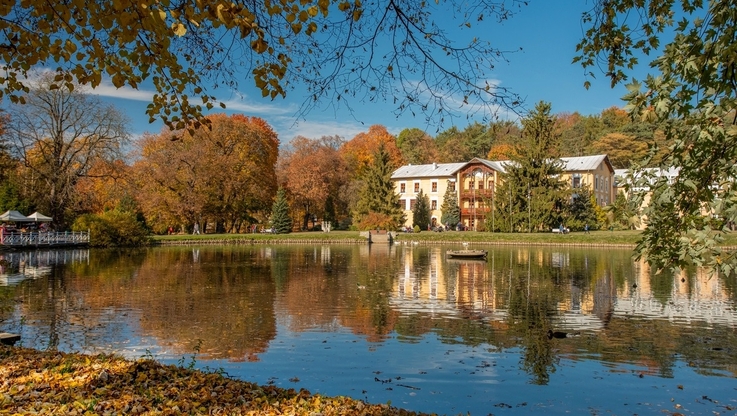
434	165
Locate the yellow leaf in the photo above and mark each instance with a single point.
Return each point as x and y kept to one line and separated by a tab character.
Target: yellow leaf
312	11
179	29
357	14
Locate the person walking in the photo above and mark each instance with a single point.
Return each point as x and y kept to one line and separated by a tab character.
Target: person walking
586	229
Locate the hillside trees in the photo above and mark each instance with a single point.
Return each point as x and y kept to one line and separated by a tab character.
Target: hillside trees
417	147
359	152
225	174
313	174
337	49
694	100
58	135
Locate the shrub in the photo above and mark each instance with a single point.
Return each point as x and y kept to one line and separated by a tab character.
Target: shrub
112	228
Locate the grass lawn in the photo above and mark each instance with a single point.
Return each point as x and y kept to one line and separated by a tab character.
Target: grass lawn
429	237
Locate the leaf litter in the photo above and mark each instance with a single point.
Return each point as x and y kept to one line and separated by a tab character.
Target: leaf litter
52	382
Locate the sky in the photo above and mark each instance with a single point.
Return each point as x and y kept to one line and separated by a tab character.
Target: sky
547	31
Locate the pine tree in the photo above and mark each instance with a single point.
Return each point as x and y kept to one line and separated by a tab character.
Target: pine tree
537	195
377	199
451	212
281	221
421	212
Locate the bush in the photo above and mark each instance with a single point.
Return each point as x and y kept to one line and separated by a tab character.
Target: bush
112	228
417	229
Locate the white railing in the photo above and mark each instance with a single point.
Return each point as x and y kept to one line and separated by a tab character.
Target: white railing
45	238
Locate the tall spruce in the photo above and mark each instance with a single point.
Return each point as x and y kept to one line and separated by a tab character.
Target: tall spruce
532	179
421	212
281	220
451	212
377	199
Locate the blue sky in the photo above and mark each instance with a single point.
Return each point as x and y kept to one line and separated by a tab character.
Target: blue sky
547	31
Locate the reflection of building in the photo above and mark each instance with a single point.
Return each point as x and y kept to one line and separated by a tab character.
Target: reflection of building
475	183
696	296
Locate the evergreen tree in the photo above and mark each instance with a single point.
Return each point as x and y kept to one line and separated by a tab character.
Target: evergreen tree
532	181
377	199
421	212
582	211
451	212
281	220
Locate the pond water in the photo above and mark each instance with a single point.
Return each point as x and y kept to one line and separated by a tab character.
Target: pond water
400	324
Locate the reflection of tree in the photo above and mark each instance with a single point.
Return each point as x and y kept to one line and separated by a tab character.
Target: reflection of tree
531	301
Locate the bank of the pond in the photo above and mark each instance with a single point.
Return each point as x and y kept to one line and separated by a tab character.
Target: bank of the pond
54	383
626	239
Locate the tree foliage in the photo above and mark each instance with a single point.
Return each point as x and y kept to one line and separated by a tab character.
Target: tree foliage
421	212
450	211
417	147
694	99
114	228
377	196
360	152
336	48
59	134
532	196
313	172
281	219
226	174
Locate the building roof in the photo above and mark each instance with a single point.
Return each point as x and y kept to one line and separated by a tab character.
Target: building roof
584	163
497	165
433	170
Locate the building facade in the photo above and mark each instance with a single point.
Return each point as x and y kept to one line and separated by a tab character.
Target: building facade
475	183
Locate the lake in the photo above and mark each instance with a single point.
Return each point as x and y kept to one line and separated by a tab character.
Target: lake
547	330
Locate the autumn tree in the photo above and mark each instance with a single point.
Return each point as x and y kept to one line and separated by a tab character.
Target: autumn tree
107	183
58	135
450	211
378	205
417	147
454	145
224	175
281	219
693	99
337	49
360	151
313	173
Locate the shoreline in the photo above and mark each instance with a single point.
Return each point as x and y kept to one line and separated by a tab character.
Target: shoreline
53	382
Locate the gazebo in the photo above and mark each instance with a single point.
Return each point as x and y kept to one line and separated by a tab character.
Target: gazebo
13	216
38	217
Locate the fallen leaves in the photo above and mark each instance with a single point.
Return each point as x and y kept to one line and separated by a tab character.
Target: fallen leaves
74	384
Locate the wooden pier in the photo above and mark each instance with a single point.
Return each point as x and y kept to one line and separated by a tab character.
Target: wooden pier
45	239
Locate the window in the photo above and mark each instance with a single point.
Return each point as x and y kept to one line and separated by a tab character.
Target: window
452	186
471	184
417	187
412	204
402	188
481	186
434	205
491	184
403	204
576	180
434	186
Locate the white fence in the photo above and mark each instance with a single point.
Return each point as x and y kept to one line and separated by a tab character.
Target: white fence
46	238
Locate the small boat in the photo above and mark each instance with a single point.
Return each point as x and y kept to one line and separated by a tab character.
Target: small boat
468	254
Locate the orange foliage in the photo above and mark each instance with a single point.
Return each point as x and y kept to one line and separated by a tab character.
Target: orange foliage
222	174
359	152
501	152
103	187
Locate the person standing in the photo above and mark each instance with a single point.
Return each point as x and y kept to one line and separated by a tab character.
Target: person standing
196	228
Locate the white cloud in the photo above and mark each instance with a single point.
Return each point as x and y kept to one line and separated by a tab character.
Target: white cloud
288	128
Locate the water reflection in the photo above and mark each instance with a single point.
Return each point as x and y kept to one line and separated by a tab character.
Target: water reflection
269	305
